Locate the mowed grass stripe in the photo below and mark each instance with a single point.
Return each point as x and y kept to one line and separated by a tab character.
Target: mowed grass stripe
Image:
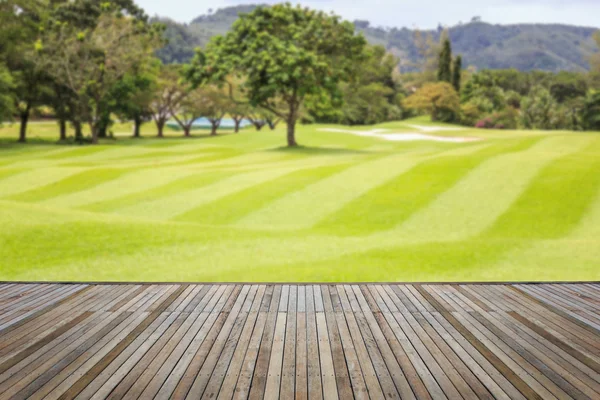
318	200
235	206
77	182
32	179
575	254
476	201
104	155
6	172
133	182
568	187
168	207
194	181
389	204
75	151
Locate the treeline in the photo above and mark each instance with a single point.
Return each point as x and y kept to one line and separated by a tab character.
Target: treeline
88	63
503	99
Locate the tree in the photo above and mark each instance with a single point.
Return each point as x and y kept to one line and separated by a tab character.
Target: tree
439	99
444	72
539	110
6	101
591	111
257	117
133	96
428	50
168	94
208	101
456	73
272	120
215	106
188	110
237	112
91	62
31	85
370	97
285	53
237	106
20	22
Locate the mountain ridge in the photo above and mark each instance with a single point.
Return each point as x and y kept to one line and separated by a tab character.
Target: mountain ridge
526	47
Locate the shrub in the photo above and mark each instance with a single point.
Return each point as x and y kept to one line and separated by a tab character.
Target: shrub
505	119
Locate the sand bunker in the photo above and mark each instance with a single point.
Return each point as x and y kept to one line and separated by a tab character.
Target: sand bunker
385	134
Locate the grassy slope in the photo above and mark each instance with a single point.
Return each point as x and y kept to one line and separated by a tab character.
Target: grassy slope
516	206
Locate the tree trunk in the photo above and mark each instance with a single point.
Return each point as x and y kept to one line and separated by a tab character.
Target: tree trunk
23	129
137	123
160	126
101	133
62	123
237	125
186	131
213	130
95	130
78	132
291	133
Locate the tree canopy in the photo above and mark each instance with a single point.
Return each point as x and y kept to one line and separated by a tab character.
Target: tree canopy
439	99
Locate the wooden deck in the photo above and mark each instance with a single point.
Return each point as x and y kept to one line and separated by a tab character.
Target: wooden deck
299	341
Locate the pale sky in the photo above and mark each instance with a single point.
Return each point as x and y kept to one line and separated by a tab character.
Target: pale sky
412	13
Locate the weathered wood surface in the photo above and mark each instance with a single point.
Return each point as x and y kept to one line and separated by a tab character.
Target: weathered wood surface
371	341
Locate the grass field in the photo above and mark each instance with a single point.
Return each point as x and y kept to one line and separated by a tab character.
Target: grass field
513	206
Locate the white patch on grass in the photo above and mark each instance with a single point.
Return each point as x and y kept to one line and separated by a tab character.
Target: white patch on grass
406	136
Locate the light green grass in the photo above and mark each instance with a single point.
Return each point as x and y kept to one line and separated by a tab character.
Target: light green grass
514	206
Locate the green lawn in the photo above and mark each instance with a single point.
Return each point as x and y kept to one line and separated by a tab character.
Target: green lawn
239	207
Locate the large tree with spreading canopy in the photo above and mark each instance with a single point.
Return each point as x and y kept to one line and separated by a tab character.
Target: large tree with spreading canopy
285	53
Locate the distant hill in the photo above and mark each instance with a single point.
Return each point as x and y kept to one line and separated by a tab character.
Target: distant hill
548	47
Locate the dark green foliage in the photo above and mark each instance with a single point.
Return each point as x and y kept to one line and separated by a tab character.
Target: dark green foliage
370	97
591	112
85	13
6	104
444	73
456	73
180	42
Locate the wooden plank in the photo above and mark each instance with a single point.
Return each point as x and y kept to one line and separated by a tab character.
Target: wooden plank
241	350
227	353
342	377
111	376
327	370
510	375
315	386
273	385
242	388
200	362
358	320
259	381
556	310
573	334
108	358
44	341
358	345
301	381
31	316
288	371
